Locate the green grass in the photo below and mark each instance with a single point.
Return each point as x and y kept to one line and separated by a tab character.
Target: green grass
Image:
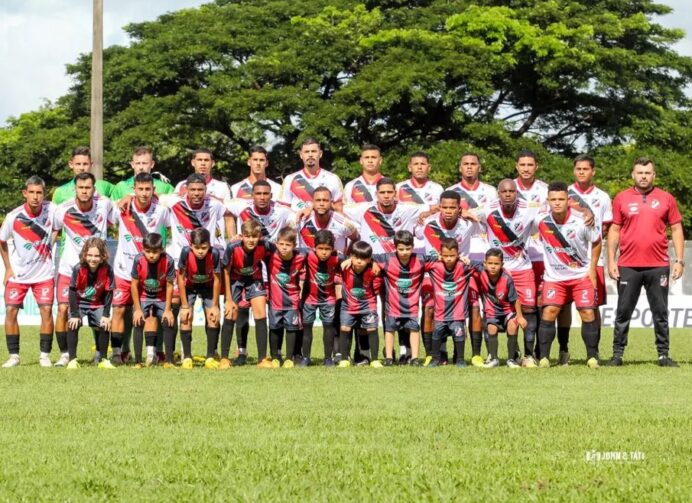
348	434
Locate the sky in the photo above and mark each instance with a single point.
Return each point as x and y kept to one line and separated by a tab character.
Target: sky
39	37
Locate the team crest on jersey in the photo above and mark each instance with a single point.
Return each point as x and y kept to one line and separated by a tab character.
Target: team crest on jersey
571	234
634	208
500	295
655	203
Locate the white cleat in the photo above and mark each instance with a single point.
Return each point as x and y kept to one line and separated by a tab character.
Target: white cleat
63	360
44	361
151	360
12	361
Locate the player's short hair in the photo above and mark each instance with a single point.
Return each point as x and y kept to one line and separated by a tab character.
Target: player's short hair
288	234
449	244
557	186
385	180
261	183
143	150
322	188
310	141
585	158
450	194
370	146
81	150
526	153
85	176
144	177
419	153
361	250
93	242
403	237
196	178
200	236
324	237
494	252
202	151
644	161
251	227
152	241
257	149
35	180
471	154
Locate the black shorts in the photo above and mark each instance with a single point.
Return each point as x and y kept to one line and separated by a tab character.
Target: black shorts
501	321
251	289
204	294
392	324
327	313
93	314
288	319
457	329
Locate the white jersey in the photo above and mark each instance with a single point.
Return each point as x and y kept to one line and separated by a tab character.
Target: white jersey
378	228
32	255
78	226
275	218
340	226
298	187
598	202
511	234
409	191
184	219
360	191
215	188
477	199
433	230
243	189
566	246
536	199
133	226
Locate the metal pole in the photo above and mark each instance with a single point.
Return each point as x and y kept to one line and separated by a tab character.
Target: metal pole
97	92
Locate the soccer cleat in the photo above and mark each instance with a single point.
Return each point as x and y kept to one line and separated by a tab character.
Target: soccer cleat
414	362
563	359
211	364
288	364
544	363
176	357
199	359
97	358
73	364
44	361
138	366
363	363
224	364
427	360
276	363
168	365
151	360
491	363
106	364
529	362
666	361
460	364
303	362
12	361
328	362
477	361
125	357
511	363
160	357
388	362
266	363
63	360
433	363
592	363
376	364
240	360
344	363
117	359
187	364
615	361
404	359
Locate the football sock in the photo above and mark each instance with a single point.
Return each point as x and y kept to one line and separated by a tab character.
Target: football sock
298	345
307	339
530	332
404	342
138	340
374	342
345	343
169	341
563	338
274	338
12	344
158	341
459	349
512	347
186	342
261	336
589	333
95	333
72	343
492	343
104	337
116	342
127	335
476	343
212	340
291	340
328	335
436	342
243	327
46	343
546	335
150	339
427	342
227	337
61	338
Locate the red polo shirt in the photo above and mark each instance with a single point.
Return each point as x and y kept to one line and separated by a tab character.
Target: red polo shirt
643	219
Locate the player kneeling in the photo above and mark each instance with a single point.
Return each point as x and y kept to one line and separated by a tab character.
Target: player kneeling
199	276
153	274
91	295
501	308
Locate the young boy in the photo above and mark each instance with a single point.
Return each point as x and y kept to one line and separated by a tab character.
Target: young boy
319	293
501	308
359	306
199	275
242	263
450	279
403	273
91	294
153	274
285	265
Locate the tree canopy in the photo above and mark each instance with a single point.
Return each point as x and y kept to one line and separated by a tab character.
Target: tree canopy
557	76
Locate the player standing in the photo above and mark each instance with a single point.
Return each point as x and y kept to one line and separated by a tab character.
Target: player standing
419	188
258	162
363	188
142	162
323	217
80	162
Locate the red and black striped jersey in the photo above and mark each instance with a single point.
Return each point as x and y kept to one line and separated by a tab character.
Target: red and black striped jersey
319	286
402	283
244	264
451	290
284	279
153	278
499	296
91	289
199	272
358	291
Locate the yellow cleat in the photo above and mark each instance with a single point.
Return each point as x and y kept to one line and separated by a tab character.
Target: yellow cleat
199	359
288	364
266	363
544	363
225	364
427	361
592	363
73	365
376	364
211	364
345	363
106	364
168	365
477	361
187	364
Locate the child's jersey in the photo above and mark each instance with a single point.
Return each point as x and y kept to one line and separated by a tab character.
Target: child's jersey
358	291
402	283
91	290
285	275
319	286
243	264
153	278
199	273
499	297
451	290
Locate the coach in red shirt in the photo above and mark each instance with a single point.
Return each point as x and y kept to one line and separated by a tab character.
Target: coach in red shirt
641	216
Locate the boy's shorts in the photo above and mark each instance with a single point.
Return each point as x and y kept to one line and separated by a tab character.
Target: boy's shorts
457	329
501	321
393	324
204	294
93	314
327	313
288	319
366	321
252	288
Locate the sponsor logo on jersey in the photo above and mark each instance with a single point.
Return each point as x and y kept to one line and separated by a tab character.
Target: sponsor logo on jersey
152	285
358	293
282	278
322	278
655	203
89	292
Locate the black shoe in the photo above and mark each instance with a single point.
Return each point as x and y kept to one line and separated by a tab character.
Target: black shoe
363	363
302	362
388	362
328	362
615	361
240	360
665	361
404	359
415	362
434	363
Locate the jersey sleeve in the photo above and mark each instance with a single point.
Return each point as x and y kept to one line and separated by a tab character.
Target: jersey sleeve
511	290
170	270
58	219
673	216
182	260
6	228
355	211
617	211
286	195
135	270
236	206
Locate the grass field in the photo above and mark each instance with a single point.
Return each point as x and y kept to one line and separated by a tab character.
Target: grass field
355	434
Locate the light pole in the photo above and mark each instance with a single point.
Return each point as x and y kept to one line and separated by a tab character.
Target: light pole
97	92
